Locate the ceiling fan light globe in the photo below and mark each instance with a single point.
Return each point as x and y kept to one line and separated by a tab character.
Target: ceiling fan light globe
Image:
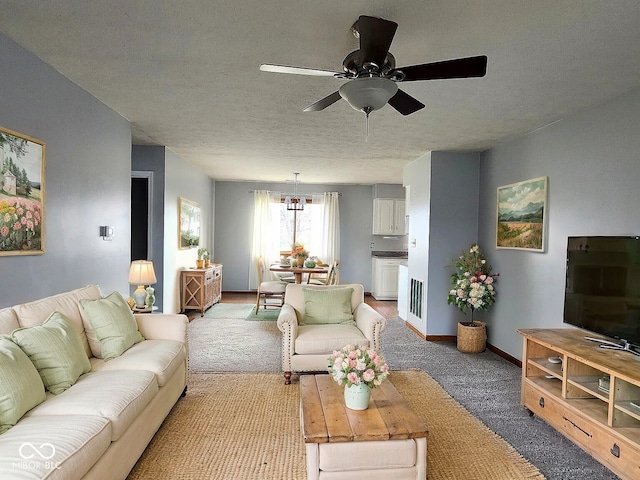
368	92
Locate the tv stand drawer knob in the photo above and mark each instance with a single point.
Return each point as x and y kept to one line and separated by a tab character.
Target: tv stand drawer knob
615	450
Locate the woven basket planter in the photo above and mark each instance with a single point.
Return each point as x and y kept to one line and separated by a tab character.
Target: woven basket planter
472	339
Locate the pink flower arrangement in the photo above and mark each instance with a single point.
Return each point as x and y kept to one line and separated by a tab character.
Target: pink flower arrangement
355	365
472	283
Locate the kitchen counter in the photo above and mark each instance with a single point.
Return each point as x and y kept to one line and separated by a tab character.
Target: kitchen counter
389	254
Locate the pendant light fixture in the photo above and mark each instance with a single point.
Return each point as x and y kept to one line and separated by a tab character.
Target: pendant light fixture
294	202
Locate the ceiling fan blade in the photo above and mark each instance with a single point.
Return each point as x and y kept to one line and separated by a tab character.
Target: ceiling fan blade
458	68
405	103
376	35
268	67
324	102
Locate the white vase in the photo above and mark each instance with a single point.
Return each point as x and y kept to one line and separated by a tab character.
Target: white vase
356	397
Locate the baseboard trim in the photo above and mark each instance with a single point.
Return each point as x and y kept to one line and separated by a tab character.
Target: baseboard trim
504	355
453	338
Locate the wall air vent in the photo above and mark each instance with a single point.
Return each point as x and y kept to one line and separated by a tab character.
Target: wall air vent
415	297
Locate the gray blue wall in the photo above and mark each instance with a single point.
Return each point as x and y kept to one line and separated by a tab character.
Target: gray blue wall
173	178
87	181
186	181
443	210
592	160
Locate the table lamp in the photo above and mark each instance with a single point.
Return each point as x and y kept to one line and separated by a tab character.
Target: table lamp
141	273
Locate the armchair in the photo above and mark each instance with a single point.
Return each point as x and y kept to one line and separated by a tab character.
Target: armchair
308	338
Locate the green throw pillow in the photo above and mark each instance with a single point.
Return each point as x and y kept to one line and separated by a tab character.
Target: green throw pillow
112	323
21	388
56	351
327	305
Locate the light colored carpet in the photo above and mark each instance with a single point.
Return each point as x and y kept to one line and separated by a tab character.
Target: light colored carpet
234	345
486	385
246	426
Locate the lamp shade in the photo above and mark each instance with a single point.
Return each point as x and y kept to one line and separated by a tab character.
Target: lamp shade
368	92
141	273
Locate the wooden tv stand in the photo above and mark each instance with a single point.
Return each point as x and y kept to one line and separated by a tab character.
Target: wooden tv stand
572	397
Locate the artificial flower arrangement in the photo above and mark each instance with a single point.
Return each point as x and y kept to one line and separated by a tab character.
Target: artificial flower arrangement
473	282
298	250
356	365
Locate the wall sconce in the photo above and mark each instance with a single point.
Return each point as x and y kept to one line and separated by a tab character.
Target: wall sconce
141	273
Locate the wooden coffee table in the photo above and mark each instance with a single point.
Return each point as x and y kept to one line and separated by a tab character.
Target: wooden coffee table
333	433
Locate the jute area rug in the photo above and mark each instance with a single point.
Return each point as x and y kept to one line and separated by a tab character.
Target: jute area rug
246	426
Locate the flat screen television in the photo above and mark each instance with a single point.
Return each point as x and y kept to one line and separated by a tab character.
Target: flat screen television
602	290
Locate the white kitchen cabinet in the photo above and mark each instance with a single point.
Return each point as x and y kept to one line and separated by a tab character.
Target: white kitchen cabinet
388	216
385	278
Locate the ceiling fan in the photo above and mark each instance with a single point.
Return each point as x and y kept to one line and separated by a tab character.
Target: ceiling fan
372	73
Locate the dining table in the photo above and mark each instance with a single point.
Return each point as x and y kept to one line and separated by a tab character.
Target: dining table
299	271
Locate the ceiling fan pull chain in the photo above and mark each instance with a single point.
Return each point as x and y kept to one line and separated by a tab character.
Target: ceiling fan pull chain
367	111
367	122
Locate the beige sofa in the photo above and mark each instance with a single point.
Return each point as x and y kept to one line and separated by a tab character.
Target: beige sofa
99	427
305	348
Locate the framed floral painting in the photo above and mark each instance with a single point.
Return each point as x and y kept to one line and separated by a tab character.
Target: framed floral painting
521	222
21	194
189	224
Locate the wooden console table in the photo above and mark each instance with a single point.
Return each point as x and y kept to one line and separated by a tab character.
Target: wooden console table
589	394
200	288
333	433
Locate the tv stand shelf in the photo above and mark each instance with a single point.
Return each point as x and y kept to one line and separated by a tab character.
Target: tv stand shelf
589	397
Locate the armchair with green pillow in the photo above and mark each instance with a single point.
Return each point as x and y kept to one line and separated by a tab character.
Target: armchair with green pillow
316	320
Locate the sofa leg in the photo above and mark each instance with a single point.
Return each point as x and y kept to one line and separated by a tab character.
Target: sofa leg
184	392
287	378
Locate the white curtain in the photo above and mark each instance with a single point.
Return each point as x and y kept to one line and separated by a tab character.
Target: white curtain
330	249
266	233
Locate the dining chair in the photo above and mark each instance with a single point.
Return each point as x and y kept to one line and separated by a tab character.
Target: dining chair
331	277
270	292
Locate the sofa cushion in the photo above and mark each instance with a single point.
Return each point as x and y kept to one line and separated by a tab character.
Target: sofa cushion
294	294
162	357
115	395
110	325
55	349
54	447
324	339
323	306
21	388
8	321
36	312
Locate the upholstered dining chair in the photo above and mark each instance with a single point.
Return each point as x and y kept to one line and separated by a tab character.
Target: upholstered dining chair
270	292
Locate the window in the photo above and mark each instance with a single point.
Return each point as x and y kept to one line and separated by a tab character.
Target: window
303	226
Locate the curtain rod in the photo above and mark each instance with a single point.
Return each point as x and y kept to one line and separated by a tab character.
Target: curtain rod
303	194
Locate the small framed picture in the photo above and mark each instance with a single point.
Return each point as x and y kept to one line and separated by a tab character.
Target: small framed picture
189	224
521	215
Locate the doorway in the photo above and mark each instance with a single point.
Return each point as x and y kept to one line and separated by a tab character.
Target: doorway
141	215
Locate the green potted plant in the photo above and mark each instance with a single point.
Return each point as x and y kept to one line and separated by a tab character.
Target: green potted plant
207	259
472	289
201	253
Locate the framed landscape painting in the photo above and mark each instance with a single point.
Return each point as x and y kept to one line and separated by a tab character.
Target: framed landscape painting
522	215
21	194
189	223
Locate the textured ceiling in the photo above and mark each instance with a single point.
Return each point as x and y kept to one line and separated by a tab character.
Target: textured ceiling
185	73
